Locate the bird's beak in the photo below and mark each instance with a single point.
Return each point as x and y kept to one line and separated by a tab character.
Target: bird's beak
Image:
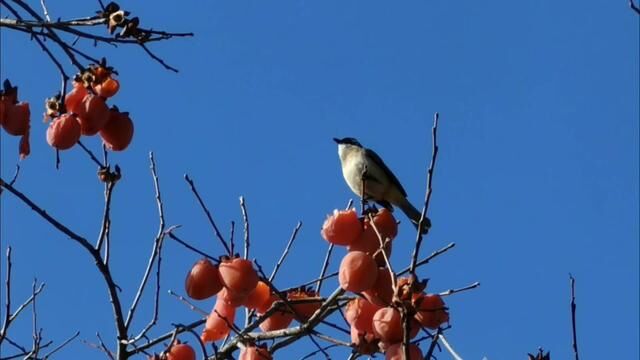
336	140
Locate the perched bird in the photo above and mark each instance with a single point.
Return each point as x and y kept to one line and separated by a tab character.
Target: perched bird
381	184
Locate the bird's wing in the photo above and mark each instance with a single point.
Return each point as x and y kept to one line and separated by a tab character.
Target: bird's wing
378	160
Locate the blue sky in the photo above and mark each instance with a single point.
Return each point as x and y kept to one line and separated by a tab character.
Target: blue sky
537	175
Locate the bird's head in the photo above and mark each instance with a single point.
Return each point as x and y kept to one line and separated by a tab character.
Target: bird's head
347	141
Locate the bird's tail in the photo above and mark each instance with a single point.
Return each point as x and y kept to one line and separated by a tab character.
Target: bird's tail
414	215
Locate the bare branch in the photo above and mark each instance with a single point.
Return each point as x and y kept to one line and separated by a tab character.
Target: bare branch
427	200
155	253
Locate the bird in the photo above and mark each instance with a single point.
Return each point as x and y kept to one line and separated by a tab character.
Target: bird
381	185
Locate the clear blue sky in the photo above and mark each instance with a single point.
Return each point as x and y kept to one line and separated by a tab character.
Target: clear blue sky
537	176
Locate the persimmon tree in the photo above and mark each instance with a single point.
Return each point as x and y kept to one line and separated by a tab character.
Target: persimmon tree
372	307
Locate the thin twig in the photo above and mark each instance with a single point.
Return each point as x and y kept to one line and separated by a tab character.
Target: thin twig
432	345
574	344
323	270
7	313
447	346
286	251
245	221
188	303
192	248
155	253
634	7
91	155
63	344
465	288
45	11
427	200
207	213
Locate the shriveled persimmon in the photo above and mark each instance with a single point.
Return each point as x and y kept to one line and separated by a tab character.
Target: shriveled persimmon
381	293
305	309
238	275
203	280
342	227
387	325
16	119
93	114
258	297
218	322
358	271
431	310
359	314
64	131
180	351
254	352
117	133
395	352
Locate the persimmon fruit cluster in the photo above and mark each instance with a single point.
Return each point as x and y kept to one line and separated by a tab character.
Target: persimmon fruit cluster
86	105
375	316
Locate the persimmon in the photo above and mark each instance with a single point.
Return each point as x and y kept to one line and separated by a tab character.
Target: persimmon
118	130
381	293
238	275
218	322
369	242
231	298
203	280
73	99
107	88
342	228
280	319
395	352
307	309
359	313
181	351
365	343
358	271
254	352
93	114
64	131
16	118
431	310
387	324
258	297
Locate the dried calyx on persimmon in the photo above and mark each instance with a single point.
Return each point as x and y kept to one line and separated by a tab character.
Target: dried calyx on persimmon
118	18
309	302
107	176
